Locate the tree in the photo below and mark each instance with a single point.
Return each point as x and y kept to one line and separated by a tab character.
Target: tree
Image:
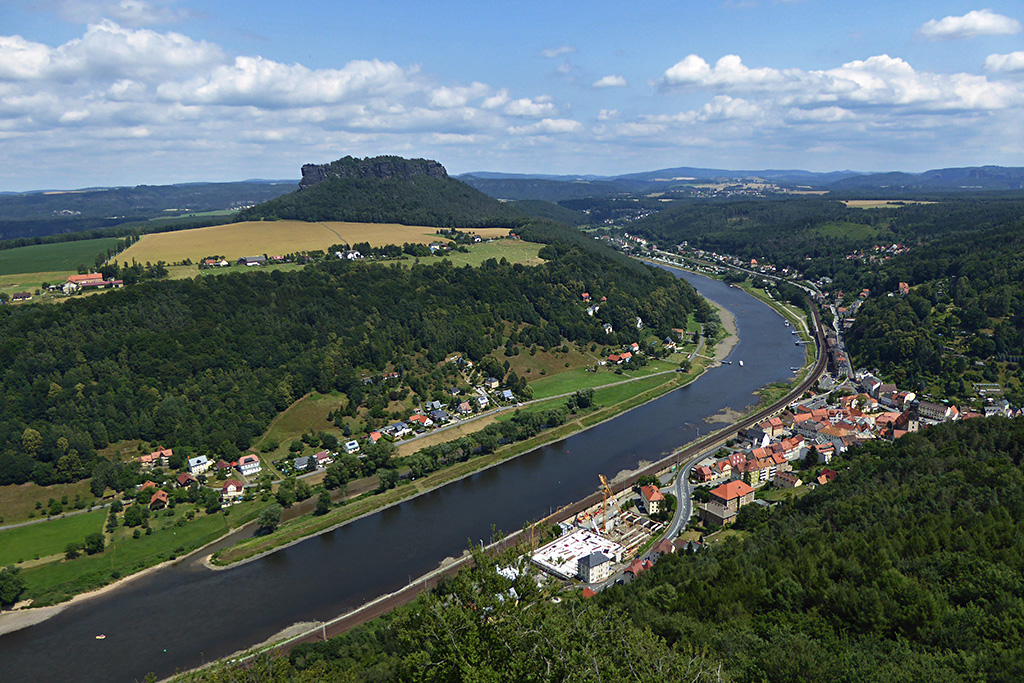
323	503
388	479
269	518
31	440
95	543
72	550
12	585
133	515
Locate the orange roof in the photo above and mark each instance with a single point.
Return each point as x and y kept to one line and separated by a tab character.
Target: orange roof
589	592
88	277
651	493
734	489
159	495
148	485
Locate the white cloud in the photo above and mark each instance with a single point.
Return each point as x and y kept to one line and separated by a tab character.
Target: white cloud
607	114
553	52
457	96
131	13
547	126
877	81
976	23
262	82
612	81
1011	62
531	108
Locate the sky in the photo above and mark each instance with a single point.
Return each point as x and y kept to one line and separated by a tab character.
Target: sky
128	92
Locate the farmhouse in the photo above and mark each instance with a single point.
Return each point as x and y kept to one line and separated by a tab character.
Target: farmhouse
21	296
199	464
252	260
231	490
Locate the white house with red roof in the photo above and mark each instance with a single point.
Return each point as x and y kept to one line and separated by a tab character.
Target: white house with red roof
653	498
231	490
249	464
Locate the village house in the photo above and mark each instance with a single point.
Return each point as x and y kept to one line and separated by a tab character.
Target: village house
788	480
249	464
323	458
199	464
185	479
421	420
21	296
726	501
158	500
653	499
491	383
158	458
231	490
351	446
252	260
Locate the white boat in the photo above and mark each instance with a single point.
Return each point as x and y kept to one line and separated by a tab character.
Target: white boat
741	364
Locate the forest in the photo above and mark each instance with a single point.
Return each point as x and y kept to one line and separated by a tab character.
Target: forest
962	322
421	200
203	365
908	567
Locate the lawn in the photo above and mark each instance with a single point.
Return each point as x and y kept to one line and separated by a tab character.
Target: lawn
18	500
514	251
61	256
573	380
47	538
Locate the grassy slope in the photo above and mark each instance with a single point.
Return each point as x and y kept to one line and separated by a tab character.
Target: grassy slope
18	500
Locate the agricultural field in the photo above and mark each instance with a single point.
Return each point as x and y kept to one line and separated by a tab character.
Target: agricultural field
880	203
61	256
235	240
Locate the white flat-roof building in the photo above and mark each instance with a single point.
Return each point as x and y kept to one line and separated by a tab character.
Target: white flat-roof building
562	556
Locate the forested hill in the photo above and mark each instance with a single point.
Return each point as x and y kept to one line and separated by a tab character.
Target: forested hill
386	190
962	321
204	364
906	568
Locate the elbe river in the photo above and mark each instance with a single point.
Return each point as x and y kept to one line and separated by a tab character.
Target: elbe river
184	615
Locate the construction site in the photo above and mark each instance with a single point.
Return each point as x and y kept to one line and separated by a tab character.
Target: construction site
606	528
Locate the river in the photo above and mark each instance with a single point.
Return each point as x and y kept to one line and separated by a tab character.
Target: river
184	615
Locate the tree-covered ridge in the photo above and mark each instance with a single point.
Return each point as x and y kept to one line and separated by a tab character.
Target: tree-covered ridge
418	200
908	567
962	322
786	232
205	364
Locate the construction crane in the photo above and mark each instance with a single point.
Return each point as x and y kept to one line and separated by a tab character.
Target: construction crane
606	489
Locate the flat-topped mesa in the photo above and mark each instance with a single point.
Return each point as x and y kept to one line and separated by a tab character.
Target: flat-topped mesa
382	167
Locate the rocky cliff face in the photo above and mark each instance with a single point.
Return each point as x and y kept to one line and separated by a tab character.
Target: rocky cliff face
377	167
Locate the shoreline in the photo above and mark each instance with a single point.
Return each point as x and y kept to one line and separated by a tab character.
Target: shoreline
17	619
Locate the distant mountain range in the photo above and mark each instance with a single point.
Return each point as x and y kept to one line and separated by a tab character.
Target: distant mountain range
512	186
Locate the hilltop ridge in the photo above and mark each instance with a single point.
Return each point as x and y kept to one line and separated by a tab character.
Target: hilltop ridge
381	168
386	189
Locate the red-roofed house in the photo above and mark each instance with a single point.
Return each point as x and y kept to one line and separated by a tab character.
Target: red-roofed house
726	500
588	592
585	296
249	464
231	490
827	476
147	485
160	456
158	501
421	419
185	479
704	473
653	498
639	566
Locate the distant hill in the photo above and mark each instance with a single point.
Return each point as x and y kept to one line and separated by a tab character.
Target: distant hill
38	214
550	211
944	179
386	189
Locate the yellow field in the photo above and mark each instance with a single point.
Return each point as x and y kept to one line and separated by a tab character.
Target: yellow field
275	237
879	203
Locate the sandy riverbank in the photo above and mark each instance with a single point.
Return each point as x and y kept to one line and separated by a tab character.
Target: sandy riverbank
725	346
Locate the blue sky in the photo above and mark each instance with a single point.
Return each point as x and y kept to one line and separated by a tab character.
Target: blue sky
124	92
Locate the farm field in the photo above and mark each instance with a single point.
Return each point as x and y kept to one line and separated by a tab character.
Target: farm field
47	538
879	203
235	240
62	256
